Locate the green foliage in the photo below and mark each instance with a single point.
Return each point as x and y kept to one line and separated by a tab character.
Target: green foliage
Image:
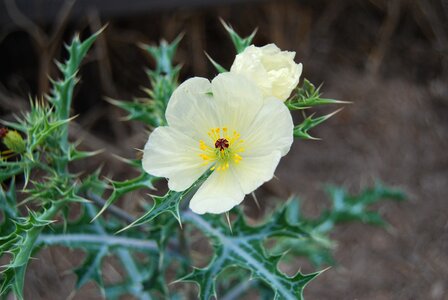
163	79
120	188
98	240
318	246
305	97
244	249
239	42
301	130
62	93
46	150
346	208
19	244
169	203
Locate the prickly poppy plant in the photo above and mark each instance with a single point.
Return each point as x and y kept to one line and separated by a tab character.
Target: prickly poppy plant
214	142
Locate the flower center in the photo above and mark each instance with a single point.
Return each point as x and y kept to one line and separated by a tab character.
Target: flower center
221	144
225	151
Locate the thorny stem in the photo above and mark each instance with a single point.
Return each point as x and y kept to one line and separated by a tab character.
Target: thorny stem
33	234
124	216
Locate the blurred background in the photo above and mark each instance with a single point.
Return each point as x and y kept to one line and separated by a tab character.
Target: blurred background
389	57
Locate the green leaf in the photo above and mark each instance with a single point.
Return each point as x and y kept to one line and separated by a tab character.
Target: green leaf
62	92
318	246
169	203
347	208
8	200
301	130
142	110
244	249
164	79
120	188
20	244
97	240
91	269
239	42
308	96
163	54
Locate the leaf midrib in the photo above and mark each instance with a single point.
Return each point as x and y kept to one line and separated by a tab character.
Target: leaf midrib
230	243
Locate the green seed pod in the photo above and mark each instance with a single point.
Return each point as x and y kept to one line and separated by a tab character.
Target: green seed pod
14	141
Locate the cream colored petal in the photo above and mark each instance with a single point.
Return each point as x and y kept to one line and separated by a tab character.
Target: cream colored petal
192	109
253	171
271	131
170	153
237	99
219	193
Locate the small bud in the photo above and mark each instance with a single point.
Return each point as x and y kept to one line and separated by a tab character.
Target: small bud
14	141
3	132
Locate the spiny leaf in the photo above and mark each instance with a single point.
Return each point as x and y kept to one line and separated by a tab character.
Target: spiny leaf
164	79
244	249
20	244
144	180
8	201
75	154
97	240
318	246
308	96
91	269
169	203
356	208
301	130
143	110
239	42
61	94
163	54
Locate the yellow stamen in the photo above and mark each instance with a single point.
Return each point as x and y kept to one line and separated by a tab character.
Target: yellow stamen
222	149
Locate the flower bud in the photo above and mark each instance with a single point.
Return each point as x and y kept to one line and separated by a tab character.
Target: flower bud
272	70
3	132
13	140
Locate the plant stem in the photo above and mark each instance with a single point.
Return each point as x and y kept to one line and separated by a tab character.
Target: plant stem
31	238
109	240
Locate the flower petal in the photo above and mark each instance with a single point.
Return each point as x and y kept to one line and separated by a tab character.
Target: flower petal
192	109
252	172
218	194
170	153
237	98
272	130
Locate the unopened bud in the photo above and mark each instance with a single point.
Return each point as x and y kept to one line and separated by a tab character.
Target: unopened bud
3	132
14	141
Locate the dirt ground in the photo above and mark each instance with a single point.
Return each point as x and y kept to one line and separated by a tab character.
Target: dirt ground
388	57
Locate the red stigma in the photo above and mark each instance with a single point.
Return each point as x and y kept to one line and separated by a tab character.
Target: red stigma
221	144
3	132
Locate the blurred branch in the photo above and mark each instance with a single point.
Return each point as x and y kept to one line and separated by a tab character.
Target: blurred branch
25	23
436	25
46	44
386	32
104	64
114	210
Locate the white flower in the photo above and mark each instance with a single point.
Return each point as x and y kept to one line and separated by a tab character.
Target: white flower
226	126
273	71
